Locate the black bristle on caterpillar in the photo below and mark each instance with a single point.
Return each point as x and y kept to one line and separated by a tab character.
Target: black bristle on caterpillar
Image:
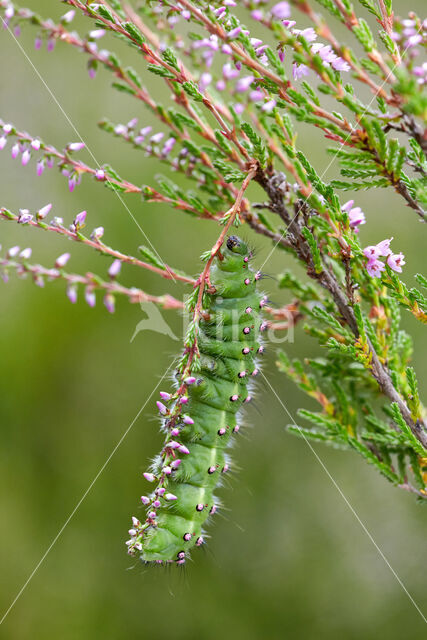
201	416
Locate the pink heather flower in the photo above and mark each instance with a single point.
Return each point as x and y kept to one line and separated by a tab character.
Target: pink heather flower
80	218
40	167
412	41
26	157
340	65
43	212
243	84
109	302
220	85
355	215
26	253
256	95
149	477
299	71
257	14
268	106
190	380
234	33
377	250
51	44
24	216
62	260
9	13
204	82
76	146
145	500
281	10
226	49
374	268
68	17
15	151
309	34
239	108
92	72
188	420
164	395
7	128
100	174
168	146
229	72
71	184
157	137
13	252
114	269
161	407
170	496
97	233
395	261
72	293
3	142
96	34
38	43
35	144
90	297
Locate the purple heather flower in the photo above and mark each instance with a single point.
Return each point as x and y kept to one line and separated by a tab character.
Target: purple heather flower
161	407
374	268
170	497
72	183
239	108
43	212
183	400
15	151
109	302
157	137
395	260
80	218
234	32
96	34
226	49
114	269
281	10
175	464
377	250
168	146
256	95
160	491
35	144
188	420
26	157
355	215
25	253
413	40
299	71
3	142
72	293
204	82
190	380
97	233
62	260
90	297
340	65
165	396
51	44
24	216
13	252
220	85
183	449
100	174
68	17
268	106
38	43
243	84
40	167
76	146
257	14
149	477
145	500
309	34
229	72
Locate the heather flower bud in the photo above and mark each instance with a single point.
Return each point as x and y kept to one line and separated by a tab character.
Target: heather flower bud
79	220
76	146
72	293
97	233
149	477
114	269
62	260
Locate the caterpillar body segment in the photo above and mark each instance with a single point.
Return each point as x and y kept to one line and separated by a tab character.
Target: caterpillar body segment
200	421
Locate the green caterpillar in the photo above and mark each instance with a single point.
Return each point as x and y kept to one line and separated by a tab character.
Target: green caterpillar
201	416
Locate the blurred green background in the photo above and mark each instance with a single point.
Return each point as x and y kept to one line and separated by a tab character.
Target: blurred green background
287	558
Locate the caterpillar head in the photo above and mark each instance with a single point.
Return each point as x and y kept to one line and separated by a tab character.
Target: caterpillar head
235	255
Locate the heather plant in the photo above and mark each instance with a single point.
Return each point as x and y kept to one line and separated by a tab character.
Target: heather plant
243	79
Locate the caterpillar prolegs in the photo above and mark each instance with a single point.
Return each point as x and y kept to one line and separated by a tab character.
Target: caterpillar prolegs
200	417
